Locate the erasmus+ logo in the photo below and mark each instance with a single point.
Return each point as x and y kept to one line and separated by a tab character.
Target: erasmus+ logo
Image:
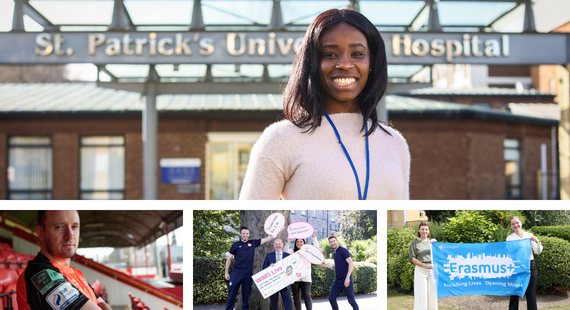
480	266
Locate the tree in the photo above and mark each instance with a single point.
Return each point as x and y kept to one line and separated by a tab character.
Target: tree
255	220
440	216
358	224
211	239
546	218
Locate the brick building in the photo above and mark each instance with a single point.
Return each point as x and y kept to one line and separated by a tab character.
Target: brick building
77	141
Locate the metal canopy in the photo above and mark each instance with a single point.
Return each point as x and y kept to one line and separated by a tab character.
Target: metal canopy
123	228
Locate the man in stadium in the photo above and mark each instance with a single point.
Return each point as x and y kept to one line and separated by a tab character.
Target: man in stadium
49	282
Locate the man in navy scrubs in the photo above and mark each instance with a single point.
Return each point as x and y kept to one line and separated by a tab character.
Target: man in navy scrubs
343	267
244	252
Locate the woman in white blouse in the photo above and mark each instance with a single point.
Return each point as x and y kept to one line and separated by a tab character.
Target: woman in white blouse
304	284
518	233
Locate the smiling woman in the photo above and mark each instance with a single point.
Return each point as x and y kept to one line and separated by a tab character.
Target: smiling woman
340	72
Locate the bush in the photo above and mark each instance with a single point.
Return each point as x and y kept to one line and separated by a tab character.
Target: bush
553	265
400	270
364	250
562	232
209	283
364	275
365	278
502	217
322	279
501	234
470	227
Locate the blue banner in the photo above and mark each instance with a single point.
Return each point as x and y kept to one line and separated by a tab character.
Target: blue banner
499	268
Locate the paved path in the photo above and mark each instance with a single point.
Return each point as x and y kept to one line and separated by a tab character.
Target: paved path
365	302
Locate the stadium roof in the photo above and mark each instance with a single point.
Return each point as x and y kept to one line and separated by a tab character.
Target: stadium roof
110	228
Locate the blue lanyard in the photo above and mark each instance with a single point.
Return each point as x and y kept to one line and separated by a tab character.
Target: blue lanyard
350	160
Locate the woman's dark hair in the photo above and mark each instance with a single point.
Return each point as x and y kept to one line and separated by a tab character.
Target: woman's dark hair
422	223
295	248
302	97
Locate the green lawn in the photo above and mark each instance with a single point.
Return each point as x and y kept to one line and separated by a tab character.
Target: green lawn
406	302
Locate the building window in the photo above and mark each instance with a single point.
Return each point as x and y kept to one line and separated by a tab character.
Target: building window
303	212
102	167
292	211
421	213
332	216
513	169
30	167
324	214
314	213
323	234
227	159
395	216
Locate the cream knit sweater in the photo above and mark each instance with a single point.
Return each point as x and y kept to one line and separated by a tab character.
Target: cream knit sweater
287	163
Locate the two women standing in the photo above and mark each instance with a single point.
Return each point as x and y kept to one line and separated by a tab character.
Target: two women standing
425	287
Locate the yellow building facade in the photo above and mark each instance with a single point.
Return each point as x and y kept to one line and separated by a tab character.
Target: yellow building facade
400	218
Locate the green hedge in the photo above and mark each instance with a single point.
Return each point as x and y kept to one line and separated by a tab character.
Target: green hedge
553	265
365	277
209	283
211	287
562	232
400	270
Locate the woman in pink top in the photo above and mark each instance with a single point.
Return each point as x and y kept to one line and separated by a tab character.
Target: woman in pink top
331	144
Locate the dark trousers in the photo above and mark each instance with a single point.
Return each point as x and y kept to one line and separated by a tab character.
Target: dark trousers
237	279
285	295
530	291
305	288
338	286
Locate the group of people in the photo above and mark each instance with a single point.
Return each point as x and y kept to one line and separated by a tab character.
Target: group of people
244	253
425	287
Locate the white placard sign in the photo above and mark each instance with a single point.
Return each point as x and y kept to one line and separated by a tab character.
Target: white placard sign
300	230
273	279
312	254
274	224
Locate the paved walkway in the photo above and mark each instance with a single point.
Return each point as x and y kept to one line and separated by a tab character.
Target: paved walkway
365	302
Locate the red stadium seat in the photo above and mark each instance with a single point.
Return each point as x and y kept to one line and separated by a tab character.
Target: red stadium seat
20	271
13	263
141	306
7	254
7	277
104	294
13	302
96	285
134	302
